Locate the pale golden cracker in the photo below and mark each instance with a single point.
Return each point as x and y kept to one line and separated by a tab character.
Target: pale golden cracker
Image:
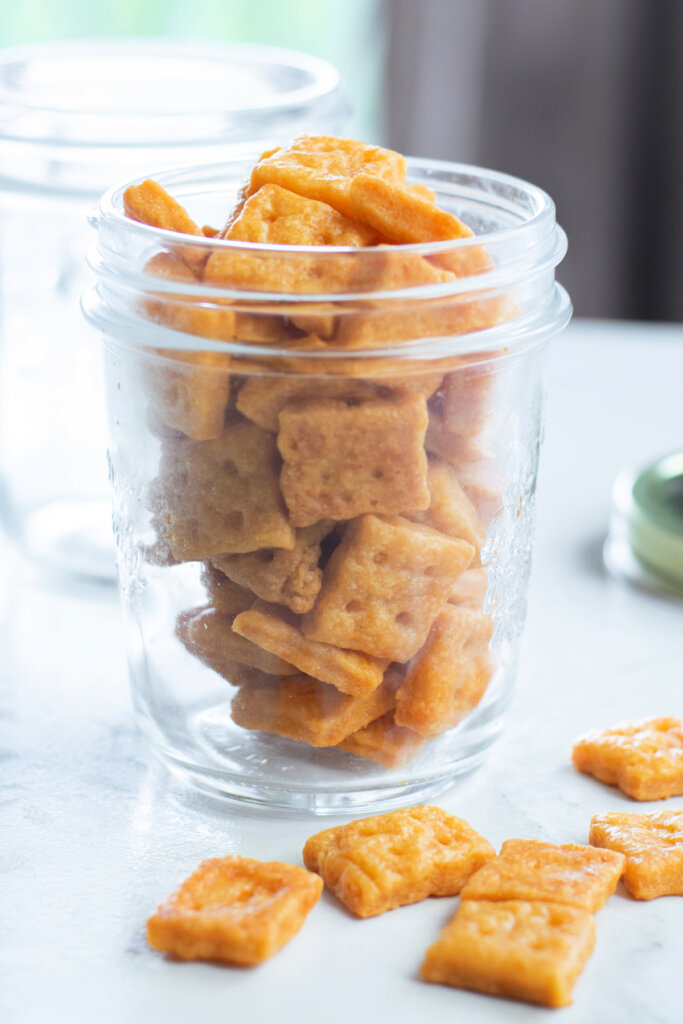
235	910
289	577
343	460
532	951
223	496
377	864
653	847
384	586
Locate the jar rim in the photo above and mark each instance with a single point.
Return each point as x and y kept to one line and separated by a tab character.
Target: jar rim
534	241
315	82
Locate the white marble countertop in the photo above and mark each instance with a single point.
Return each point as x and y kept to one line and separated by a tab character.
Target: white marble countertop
94	836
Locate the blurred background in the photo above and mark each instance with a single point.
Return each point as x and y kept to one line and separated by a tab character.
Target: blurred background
583	98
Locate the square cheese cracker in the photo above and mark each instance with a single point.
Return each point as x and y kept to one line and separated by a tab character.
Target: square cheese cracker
384	586
342	460
447	678
304	709
234	909
527	869
652	845
223	495
528	950
277	630
644	759
380	863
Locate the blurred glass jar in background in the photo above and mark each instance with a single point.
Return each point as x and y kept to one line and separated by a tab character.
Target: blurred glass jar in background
324	463
75	117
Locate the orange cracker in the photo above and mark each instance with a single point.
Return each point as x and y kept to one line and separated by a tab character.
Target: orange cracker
223	496
281	576
644	759
277	631
322	167
417	318
399	214
652	845
342	460
527	869
187	390
234	909
532	950
384	742
384	586
207	633
388	861
276	216
450	510
306	710
448	677
151	204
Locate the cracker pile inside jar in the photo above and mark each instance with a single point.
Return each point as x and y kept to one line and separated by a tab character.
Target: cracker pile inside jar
338	509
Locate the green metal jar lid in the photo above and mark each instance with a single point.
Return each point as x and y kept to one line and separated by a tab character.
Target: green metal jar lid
645	542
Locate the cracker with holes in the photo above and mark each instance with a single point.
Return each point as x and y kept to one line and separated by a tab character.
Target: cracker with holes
377	864
277	216
234	909
277	630
652	845
384	586
450	510
207	633
304	709
527	869
529	950
448	677
322	167
384	742
223	496
342	460
644	759
284	576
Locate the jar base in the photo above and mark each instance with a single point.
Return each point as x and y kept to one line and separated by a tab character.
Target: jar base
257	768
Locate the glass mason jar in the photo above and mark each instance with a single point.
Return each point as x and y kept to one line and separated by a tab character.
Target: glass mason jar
324	462
73	118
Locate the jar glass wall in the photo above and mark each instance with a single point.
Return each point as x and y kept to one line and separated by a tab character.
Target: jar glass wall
324	484
73	118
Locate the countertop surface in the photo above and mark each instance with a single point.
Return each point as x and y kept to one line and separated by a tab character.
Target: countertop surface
94	834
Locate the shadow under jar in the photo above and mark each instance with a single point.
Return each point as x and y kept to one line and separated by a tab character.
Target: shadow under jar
324	488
